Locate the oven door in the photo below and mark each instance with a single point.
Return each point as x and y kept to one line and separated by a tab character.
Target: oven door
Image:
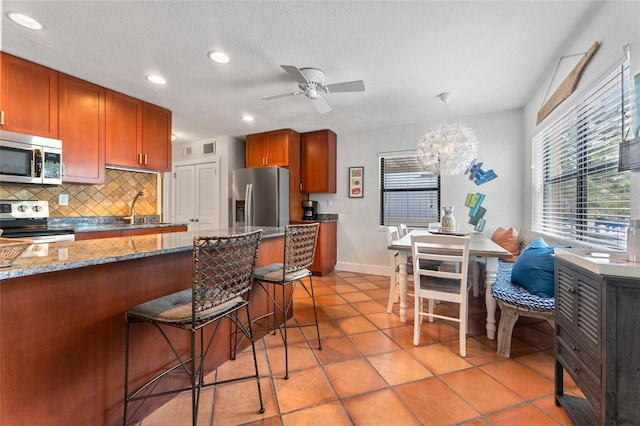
20	163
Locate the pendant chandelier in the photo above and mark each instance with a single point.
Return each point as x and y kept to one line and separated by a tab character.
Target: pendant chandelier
447	148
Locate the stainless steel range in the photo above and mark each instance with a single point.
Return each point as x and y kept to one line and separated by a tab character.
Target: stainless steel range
28	219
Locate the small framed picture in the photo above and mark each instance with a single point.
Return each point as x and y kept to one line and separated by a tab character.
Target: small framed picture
356	182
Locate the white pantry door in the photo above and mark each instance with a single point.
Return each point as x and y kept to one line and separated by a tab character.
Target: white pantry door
197	195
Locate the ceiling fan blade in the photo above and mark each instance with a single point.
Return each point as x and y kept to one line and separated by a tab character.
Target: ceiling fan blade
295	73
284	95
321	105
348	86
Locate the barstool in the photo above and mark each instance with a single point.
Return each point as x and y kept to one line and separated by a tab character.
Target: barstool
299	250
222	278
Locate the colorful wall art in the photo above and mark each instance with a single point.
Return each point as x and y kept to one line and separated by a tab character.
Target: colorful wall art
476	212
478	175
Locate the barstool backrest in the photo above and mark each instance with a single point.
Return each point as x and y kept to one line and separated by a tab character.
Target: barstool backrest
299	246
223	268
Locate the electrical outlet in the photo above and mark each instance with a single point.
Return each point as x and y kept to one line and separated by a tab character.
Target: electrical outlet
63	199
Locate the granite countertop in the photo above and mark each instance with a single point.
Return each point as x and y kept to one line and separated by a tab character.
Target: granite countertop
322	217
43	258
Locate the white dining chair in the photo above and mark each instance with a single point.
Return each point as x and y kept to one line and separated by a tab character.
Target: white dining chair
440	271
393	234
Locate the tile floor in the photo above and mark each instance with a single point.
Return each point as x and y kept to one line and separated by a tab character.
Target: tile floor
370	373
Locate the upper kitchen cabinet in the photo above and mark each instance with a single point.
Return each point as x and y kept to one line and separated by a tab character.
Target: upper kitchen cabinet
138	133
276	148
156	137
82	130
318	161
124	130
28	97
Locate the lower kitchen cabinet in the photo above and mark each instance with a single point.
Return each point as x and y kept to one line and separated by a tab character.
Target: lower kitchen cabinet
326	251
93	235
597	344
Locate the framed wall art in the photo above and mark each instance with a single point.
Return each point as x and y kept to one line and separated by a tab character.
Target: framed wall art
356	182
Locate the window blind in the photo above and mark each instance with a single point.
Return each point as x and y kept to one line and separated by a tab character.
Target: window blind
407	193
578	192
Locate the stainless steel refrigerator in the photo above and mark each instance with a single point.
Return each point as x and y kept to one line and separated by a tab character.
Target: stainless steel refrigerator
260	196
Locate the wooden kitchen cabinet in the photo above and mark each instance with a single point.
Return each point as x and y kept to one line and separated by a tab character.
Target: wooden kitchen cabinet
138	133
276	148
28	97
279	148
318	161
326	247
156	137
82	130
94	235
597	344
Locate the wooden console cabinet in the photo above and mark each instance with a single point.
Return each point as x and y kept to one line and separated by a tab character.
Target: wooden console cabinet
597	329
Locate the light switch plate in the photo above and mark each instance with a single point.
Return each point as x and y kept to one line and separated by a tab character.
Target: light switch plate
63	199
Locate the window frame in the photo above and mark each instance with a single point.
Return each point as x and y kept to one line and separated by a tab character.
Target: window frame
415	195
577	153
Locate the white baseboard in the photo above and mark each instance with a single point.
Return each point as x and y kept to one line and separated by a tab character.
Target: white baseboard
362	269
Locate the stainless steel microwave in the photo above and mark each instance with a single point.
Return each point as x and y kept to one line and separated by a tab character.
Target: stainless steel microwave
30	159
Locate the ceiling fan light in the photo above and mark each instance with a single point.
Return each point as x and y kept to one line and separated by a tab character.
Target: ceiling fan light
24	20
312	92
219	57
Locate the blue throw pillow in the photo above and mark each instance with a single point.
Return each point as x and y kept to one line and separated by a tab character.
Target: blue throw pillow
534	269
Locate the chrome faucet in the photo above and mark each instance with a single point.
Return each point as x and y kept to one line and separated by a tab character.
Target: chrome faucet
133	207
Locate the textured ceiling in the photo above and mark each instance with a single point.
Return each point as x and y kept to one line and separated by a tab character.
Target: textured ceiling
491	55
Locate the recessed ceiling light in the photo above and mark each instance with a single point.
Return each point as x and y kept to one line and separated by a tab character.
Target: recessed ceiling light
24	20
247	118
219	57
156	79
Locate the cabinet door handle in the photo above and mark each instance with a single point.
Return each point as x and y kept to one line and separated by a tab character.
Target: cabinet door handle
1	118
575	349
146	157
139	158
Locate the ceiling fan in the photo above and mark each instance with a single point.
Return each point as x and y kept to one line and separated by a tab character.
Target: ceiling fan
311	84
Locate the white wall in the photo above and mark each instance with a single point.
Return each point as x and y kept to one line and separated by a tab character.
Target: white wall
617	23
362	246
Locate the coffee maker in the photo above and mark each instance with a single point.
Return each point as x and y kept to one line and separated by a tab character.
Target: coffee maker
310	210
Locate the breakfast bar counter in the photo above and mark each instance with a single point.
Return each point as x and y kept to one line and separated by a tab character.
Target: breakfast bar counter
62	323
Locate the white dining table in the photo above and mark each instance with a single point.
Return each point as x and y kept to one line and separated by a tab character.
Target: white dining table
480	247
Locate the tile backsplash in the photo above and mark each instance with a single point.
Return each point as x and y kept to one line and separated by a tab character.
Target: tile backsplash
113	198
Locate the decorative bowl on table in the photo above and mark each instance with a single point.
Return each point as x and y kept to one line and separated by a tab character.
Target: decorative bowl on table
11	249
